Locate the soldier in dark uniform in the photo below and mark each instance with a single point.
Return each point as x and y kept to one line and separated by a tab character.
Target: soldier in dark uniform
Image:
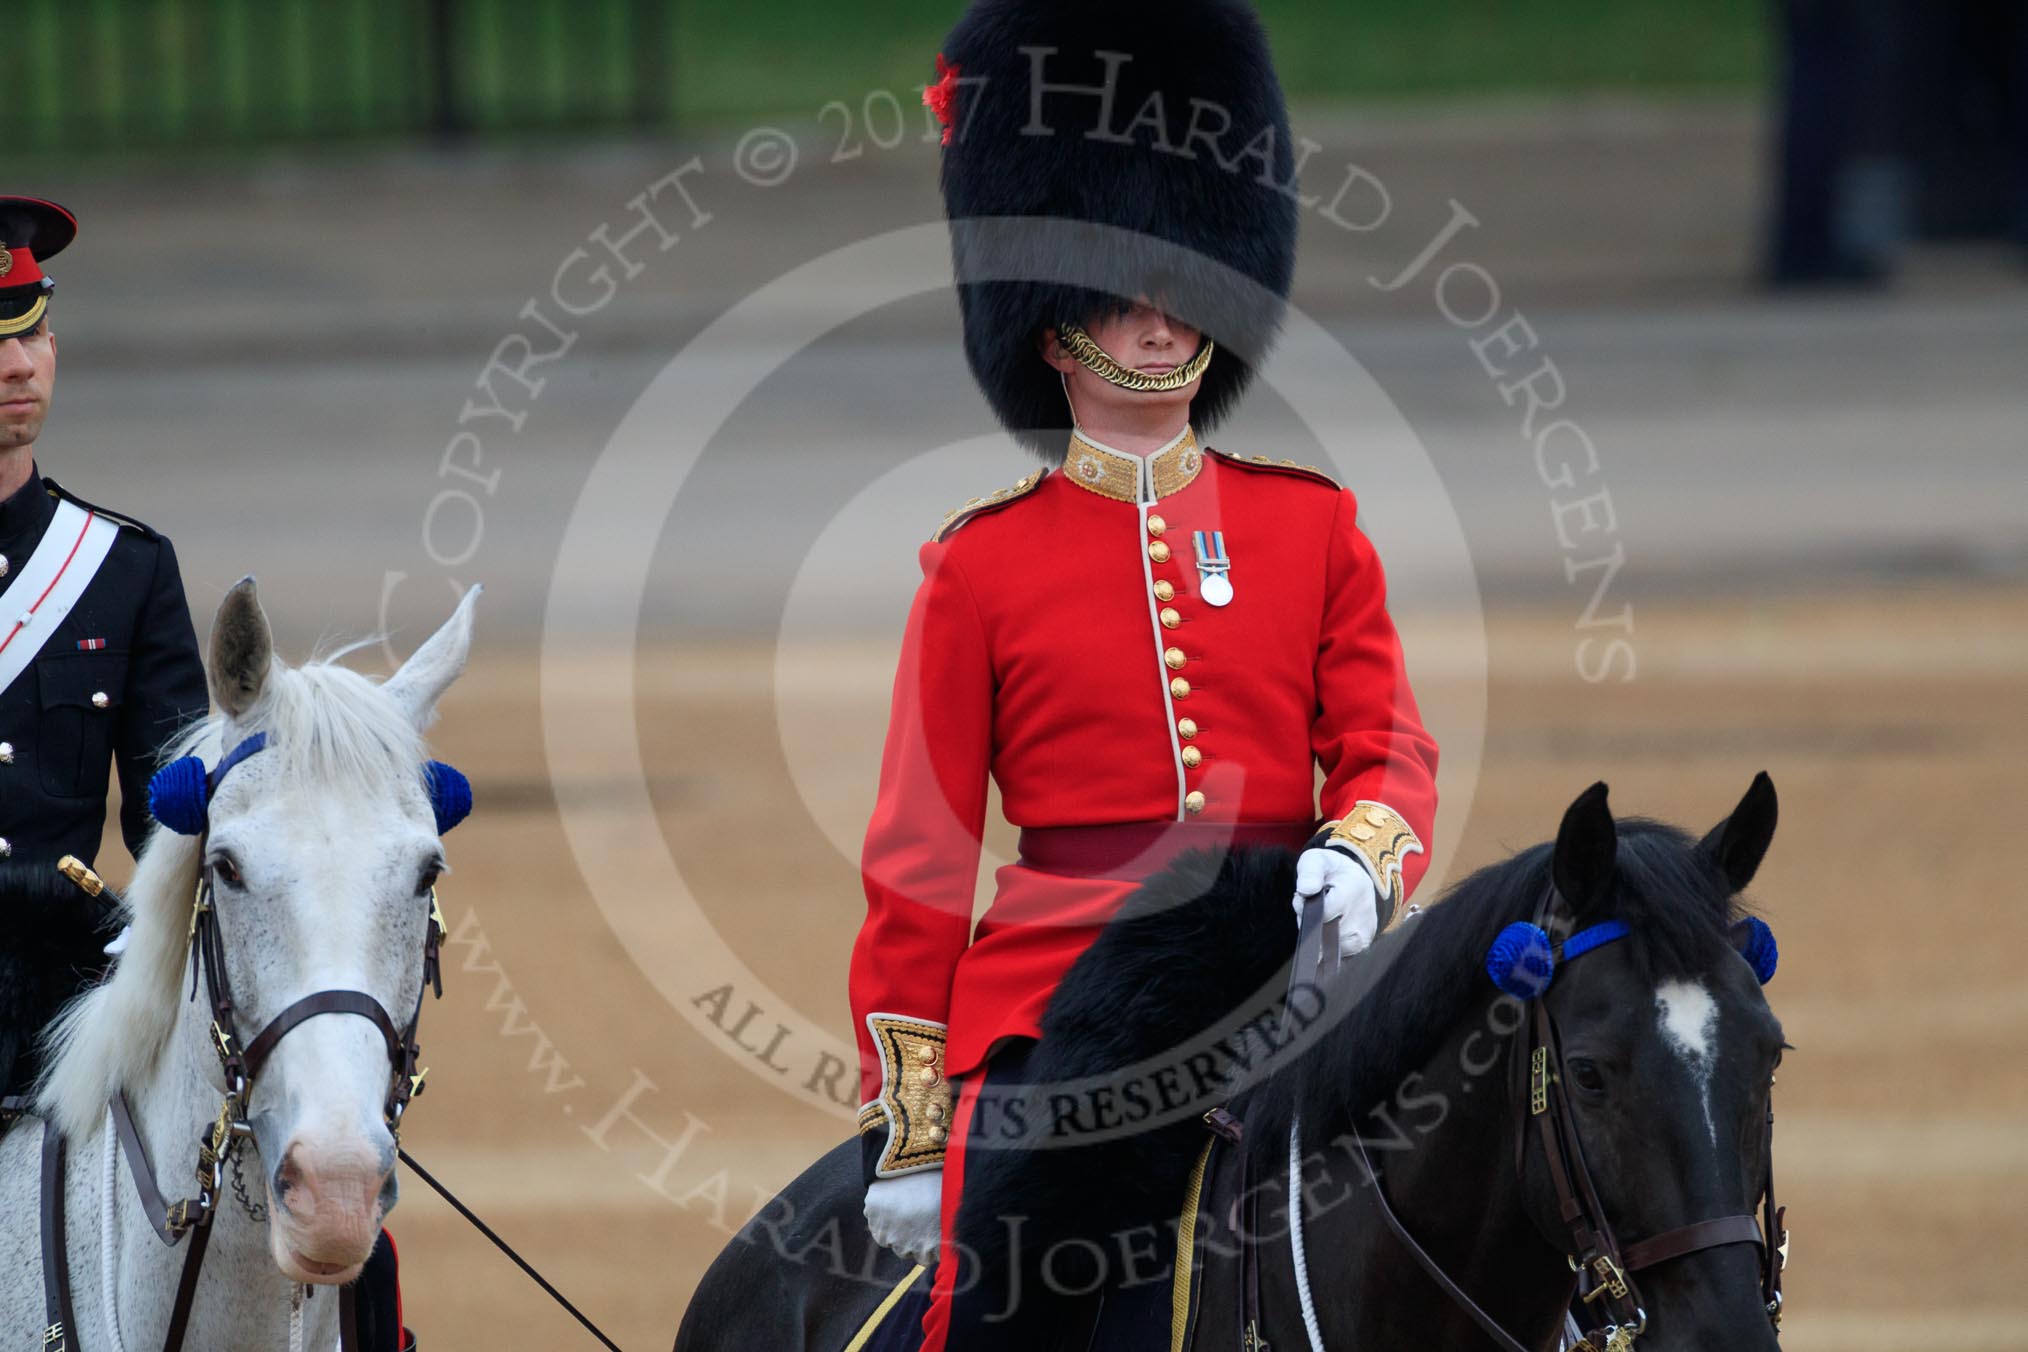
98	665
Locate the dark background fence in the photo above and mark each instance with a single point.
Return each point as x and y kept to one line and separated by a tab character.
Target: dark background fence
103	74
88	76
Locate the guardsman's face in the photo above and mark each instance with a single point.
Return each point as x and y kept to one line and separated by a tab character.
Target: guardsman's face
27	383
1141	337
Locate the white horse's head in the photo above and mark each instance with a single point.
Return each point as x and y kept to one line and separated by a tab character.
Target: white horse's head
322	850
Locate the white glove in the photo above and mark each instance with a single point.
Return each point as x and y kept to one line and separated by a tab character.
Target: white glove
905	1214
1350	897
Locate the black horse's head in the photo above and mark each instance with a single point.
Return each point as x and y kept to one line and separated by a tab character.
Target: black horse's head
1621	950
1668	1054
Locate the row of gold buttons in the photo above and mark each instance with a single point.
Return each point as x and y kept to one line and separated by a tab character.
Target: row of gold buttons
1175	659
929	1076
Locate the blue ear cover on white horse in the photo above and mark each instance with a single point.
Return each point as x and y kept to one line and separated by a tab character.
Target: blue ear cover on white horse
1757	945
179	795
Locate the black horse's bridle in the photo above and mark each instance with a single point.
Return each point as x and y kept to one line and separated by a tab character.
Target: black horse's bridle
1603	1266
240	1065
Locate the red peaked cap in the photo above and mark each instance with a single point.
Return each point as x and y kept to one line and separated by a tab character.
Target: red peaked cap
32	232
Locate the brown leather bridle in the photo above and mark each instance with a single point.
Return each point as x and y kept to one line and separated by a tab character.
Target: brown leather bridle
1603	1267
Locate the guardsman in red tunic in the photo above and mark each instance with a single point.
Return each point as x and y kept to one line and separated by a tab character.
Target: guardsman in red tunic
1149	644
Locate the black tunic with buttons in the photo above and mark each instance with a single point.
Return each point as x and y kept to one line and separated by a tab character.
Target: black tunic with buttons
117	678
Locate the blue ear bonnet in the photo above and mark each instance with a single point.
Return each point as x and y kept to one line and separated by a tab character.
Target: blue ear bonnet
179	796
1522	961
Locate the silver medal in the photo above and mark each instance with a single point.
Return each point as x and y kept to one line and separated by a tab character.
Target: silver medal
1214	569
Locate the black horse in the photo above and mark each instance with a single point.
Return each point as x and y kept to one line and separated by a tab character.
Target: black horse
1643	1134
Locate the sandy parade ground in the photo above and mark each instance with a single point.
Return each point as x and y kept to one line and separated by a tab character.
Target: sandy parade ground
622	1071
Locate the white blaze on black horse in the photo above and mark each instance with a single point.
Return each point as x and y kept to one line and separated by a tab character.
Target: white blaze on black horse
1659	1051
1689	1019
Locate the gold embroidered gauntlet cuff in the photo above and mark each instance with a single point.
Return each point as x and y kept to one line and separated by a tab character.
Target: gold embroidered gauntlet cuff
915	1095
1377	835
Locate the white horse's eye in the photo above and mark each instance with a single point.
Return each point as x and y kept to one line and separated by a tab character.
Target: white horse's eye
430	874
225	868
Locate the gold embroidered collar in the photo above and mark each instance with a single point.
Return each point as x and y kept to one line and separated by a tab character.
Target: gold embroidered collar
1132	478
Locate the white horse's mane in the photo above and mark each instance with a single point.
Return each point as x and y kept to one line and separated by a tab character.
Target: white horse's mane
326	724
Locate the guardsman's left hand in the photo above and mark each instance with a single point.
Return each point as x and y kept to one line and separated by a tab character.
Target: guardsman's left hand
1350	897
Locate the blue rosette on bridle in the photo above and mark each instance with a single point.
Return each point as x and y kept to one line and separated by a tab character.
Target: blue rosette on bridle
450	794
1522	961
1757	945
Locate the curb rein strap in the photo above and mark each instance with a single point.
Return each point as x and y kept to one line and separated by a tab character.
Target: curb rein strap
218	1141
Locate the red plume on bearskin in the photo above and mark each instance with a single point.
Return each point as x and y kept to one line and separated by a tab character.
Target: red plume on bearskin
941	98
1165	122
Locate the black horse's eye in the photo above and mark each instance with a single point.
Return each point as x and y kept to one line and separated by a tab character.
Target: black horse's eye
1585	1075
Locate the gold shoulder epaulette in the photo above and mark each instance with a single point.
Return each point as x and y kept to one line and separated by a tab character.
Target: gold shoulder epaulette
1276	466
991	502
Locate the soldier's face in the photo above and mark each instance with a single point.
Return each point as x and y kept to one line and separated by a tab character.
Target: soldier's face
27	382
1141	337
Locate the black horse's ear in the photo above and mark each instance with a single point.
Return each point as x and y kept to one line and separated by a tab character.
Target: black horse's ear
1587	851
1739	843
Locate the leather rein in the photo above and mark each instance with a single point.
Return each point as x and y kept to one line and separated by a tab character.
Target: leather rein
1603	1266
240	1065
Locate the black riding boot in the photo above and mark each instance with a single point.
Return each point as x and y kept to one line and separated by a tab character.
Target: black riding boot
52	946
377	1294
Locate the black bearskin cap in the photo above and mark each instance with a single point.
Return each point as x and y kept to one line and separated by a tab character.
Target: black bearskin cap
1181	188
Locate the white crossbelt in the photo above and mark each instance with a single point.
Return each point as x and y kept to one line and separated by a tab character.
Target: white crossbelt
49	584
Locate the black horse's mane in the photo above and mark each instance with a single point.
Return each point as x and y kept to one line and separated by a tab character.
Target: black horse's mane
1671	894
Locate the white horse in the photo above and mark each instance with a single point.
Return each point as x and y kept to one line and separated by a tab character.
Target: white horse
322	851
